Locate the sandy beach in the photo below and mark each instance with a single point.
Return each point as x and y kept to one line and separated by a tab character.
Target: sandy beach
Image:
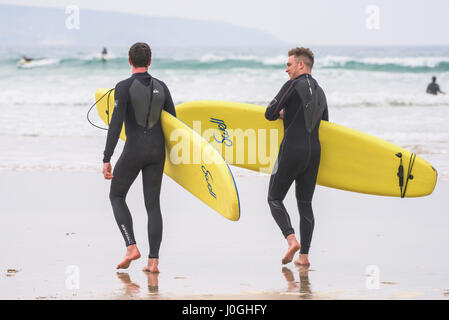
60	241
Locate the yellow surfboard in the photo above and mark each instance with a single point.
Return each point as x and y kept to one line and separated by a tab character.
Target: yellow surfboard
350	160
191	161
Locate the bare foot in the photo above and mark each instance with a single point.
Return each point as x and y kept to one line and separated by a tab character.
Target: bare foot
132	253
303	260
293	246
152	266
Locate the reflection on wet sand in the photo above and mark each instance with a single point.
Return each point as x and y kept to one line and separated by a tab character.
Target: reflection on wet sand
132	289
153	282
305	288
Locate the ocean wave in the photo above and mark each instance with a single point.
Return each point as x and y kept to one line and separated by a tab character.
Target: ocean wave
387	102
337	99
386	64
334	99
37	63
223	62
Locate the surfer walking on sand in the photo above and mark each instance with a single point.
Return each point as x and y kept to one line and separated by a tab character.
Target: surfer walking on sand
139	101
301	103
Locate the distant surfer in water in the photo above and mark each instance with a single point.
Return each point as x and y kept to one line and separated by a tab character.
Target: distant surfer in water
139	101
26	59
433	87
104	54
301	103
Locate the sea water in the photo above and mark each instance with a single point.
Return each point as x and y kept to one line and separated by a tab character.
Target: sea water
377	90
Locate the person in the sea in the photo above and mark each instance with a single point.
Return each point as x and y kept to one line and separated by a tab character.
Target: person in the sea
433	87
104	53
301	103
139	101
26	59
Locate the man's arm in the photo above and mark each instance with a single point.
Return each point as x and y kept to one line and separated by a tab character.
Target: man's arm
169	106
277	104
325	114
326	110
116	124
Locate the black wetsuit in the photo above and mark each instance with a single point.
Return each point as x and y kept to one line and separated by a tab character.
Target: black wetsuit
144	151
433	88
299	152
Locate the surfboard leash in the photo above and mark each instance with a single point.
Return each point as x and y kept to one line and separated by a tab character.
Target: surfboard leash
95	103
400	173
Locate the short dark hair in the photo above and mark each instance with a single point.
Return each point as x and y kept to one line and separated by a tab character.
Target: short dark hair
140	54
305	53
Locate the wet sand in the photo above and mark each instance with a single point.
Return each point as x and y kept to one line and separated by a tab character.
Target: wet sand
60	241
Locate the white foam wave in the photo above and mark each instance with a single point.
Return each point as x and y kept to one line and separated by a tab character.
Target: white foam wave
209	57
99	56
37	63
330	60
423	61
374	99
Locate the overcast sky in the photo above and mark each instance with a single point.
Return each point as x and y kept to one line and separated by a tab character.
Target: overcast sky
313	22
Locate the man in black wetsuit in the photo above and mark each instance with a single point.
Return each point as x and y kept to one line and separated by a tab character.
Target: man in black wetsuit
433	87
139	101
301	103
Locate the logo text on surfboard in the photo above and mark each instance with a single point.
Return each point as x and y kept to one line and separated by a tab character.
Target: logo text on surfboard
224	133
208	177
